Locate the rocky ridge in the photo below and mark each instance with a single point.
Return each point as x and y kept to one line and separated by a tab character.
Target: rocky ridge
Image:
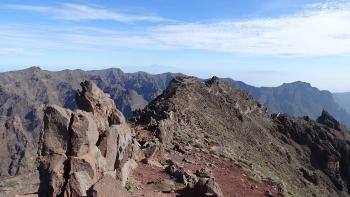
297	156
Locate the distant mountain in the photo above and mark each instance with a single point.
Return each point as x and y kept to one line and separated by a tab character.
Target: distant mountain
296	99
343	99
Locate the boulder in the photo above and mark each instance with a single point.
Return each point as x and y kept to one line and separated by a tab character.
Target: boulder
84	134
107	187
164	185
55	137
180	174
53	146
115	145
52	174
204	173
208	187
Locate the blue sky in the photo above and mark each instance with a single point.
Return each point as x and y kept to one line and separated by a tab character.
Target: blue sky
264	43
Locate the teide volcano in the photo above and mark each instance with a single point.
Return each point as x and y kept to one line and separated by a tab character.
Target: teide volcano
295	155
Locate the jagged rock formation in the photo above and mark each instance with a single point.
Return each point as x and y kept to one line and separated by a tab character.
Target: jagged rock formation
24	93
328	120
86	151
325	147
296	155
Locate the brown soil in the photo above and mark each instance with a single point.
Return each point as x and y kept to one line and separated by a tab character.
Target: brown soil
233	180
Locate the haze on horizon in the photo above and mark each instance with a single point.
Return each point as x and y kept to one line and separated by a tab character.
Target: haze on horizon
261	43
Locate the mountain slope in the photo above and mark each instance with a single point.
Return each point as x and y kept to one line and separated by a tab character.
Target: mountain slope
343	99
296	99
296	155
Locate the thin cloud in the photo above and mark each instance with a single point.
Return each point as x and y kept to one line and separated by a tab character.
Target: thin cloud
79	12
10	50
318	30
321	30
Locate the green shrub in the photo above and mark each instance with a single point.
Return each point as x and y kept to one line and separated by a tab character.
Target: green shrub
10	184
255	178
131	185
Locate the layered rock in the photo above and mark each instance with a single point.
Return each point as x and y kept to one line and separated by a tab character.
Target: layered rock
78	150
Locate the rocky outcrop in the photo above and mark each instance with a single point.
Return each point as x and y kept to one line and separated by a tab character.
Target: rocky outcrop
328	120
326	143
24	93
86	151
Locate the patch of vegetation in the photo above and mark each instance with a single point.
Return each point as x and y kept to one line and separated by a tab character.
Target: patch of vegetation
10	184
131	185
288	194
255	178
184	137
138	155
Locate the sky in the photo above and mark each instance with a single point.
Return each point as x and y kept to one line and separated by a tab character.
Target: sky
263	43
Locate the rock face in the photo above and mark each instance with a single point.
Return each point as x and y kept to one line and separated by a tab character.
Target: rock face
328	120
323	144
83	152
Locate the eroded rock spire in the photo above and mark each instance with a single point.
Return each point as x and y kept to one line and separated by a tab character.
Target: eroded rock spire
82	150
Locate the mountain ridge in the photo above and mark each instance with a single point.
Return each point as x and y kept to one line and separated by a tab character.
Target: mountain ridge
227	121
24	93
296	99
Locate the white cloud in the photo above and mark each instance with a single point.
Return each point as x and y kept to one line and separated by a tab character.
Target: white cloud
10	50
78	12
318	30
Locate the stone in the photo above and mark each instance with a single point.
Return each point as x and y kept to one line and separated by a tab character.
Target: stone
55	137
208	187
92	99
165	185
204	173
128	166
79	183
310	176
113	144
189	179
84	133
53	145
51	171
107	187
